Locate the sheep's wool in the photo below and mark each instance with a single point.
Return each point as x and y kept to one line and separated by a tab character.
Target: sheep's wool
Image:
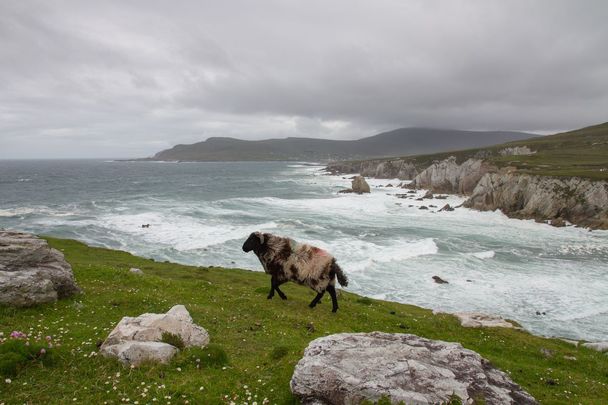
302	263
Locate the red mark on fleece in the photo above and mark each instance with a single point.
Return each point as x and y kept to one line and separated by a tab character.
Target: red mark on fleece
319	252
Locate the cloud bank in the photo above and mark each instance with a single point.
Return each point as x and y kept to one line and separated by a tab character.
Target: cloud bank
128	78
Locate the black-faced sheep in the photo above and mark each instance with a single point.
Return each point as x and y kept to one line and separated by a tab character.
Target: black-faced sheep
286	260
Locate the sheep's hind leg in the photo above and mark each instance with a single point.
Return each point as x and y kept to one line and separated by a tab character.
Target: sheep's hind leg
315	301
334	300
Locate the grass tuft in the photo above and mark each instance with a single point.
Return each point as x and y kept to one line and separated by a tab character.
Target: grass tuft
173	340
278	352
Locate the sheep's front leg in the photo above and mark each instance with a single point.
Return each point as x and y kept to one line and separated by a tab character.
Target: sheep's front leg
314	302
274	286
283	296
334	300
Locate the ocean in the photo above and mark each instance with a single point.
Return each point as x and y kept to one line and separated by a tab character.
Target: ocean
200	214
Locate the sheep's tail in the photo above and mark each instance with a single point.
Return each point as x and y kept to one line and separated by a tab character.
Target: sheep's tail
342	279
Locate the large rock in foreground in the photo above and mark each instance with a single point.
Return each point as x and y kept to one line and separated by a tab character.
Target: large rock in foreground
348	368
138	339
31	272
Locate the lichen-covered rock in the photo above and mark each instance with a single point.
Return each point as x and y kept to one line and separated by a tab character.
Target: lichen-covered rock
516	151
579	201
349	368
31	272
135	353
447	176
149	328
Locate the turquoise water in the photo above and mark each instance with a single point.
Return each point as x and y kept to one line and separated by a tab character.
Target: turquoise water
200	213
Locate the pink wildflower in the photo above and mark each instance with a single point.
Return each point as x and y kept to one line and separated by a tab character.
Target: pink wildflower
18	335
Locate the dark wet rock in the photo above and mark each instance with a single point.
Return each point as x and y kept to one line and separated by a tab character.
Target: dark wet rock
439	280
446	207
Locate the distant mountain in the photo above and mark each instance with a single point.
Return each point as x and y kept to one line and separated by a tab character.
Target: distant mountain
399	142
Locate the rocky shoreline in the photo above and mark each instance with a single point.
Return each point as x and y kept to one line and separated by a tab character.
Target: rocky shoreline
554	200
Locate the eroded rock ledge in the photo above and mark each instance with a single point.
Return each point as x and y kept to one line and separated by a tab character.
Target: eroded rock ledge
579	201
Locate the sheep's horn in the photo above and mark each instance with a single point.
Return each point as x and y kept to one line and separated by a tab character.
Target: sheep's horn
261	235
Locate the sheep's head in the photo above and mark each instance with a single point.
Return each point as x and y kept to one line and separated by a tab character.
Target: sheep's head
254	242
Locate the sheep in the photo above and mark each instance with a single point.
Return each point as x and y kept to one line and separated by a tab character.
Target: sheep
286	260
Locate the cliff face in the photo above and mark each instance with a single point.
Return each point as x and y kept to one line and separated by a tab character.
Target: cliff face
577	200
380	169
447	176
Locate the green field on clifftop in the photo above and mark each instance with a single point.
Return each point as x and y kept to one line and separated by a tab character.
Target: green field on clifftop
581	153
261	339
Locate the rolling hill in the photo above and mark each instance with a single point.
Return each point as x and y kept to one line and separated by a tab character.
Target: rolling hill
403	141
582	153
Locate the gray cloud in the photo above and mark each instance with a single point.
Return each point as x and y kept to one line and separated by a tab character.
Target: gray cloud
127	78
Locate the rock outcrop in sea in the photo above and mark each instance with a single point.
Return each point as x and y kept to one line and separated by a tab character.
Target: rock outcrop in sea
358	186
349	368
31	272
579	201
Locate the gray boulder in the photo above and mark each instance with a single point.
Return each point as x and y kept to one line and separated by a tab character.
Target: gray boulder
31	272
349	368
137	339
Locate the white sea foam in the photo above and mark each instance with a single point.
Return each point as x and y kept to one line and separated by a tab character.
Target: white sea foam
179	232
484	255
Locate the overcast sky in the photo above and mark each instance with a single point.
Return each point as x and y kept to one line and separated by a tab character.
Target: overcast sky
129	78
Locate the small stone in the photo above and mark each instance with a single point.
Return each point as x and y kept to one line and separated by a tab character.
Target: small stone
137	271
547	352
598	346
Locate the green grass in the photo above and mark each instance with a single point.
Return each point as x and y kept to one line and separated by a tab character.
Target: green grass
255	342
580	153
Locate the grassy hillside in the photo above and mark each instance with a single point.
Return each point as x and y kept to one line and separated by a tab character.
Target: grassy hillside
583	153
262	339
399	141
